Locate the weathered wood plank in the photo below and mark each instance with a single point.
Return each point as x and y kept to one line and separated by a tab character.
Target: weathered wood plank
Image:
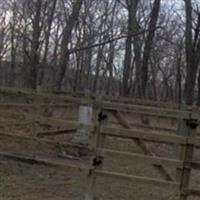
138	178
131	134
150	159
144	158
30	105
187	154
160	112
39	160
63	163
42	140
192	192
153	137
56	132
195	165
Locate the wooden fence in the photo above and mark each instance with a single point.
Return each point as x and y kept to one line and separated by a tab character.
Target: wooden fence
186	143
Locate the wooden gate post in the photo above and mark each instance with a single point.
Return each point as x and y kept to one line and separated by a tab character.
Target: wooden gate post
96	160
186	154
180	150
37	100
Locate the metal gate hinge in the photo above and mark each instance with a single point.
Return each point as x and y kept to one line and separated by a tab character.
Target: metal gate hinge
192	123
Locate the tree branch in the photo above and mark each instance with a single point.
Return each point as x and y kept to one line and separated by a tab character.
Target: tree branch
108	41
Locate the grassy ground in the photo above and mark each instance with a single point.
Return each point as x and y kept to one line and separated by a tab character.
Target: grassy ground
25	182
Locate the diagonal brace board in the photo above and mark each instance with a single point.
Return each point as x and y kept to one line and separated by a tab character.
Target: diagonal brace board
56	132
119	116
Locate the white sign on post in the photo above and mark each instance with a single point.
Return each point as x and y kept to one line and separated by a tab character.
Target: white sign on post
85	114
85	118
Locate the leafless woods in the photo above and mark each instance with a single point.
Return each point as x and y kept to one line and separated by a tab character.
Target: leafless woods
144	49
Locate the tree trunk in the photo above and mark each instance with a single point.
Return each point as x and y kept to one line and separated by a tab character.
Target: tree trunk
98	65
88	62
148	44
13	48
178	90
56	43
35	46
192	53
67	32
198	100
110	68
47	38
190	83
154	87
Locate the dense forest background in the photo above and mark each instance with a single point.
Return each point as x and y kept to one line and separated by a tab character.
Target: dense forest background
136	48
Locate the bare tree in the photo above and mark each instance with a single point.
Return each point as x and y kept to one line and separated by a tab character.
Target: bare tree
132	28
192	47
148	45
13	45
110	46
67	32
34	54
48	28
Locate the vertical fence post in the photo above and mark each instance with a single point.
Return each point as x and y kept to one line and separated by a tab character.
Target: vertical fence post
36	118
186	154
96	159
180	150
